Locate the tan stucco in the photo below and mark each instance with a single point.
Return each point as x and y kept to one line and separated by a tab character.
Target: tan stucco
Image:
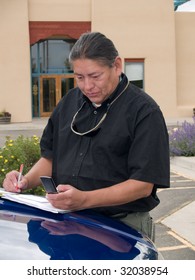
59	10
140	29
185	42
144	29
15	92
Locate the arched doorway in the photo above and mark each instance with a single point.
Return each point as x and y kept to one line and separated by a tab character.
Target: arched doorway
52	76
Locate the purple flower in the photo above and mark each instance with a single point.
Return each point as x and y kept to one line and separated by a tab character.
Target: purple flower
182	139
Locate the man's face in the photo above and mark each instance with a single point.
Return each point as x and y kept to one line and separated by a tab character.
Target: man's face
96	80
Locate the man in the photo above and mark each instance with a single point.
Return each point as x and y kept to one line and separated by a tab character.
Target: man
106	143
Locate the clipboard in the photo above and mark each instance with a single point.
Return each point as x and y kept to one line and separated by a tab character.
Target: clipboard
36	201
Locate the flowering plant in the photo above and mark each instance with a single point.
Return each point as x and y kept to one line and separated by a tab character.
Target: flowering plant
18	151
182	140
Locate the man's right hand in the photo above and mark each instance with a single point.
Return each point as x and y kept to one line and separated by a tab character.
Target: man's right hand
11	184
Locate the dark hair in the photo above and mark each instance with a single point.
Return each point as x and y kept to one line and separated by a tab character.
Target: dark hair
95	46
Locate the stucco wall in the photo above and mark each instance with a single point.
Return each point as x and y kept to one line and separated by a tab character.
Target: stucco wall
15	92
185	42
144	29
139	29
59	10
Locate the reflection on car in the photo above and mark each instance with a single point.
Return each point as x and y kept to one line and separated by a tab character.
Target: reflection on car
30	233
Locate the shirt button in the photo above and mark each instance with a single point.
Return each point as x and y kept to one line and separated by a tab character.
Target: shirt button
81	154
95	112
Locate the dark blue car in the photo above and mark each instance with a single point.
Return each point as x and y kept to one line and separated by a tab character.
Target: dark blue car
33	234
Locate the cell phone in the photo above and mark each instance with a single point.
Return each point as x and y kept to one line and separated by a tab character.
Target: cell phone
48	184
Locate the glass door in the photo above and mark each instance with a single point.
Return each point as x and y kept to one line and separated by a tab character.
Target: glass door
48	95
52	89
66	82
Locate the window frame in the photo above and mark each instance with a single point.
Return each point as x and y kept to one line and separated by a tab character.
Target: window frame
135	61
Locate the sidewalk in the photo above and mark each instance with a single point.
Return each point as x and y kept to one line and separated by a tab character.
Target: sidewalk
182	222
37	123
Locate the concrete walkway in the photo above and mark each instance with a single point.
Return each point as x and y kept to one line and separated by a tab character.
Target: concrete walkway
37	123
182	221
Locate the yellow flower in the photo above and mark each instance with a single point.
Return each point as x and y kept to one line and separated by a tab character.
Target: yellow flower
10	145
1	156
2	170
5	161
12	156
36	138
10	140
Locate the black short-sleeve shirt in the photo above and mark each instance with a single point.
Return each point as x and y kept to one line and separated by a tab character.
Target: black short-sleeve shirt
132	142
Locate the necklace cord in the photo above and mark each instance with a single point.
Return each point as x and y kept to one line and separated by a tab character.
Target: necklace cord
100	122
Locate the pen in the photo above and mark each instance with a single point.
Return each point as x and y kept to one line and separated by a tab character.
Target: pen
20	172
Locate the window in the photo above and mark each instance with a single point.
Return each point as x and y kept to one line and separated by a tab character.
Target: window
134	70
51	56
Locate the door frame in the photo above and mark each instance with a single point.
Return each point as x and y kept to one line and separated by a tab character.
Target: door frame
58	89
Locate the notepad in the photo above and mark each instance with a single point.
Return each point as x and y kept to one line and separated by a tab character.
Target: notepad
36	201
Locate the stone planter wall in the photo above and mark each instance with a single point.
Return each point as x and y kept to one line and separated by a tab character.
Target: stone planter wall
184	166
5	120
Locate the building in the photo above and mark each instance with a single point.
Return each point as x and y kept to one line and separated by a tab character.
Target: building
155	42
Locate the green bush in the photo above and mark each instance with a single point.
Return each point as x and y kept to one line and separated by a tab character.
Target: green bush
24	150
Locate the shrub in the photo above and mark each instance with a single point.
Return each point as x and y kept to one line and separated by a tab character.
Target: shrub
182	140
24	150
